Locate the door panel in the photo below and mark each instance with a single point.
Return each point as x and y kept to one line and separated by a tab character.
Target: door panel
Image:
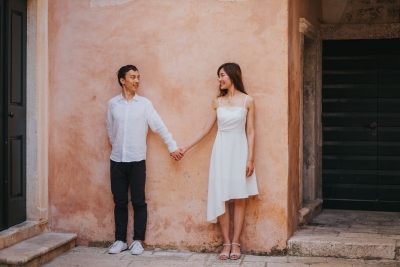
350	148
350	105
339	119
349	77
347	133
389	90
2	118
349	91
16	57
389	120
350	63
16	167
350	176
349	162
14	112
350	191
361	124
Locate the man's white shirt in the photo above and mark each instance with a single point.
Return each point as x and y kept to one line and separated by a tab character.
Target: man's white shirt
127	126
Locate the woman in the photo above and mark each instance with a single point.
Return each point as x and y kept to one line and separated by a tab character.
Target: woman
232	175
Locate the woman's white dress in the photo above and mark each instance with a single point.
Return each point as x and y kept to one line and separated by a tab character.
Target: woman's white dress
227	179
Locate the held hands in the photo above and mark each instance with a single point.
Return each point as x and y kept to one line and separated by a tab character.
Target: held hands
178	154
249	168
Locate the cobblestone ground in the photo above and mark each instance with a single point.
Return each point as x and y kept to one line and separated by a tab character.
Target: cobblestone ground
98	257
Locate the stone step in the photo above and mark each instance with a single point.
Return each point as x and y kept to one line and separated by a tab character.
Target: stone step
37	250
20	232
343	245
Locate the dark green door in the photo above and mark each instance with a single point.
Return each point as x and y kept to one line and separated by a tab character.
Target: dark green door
13	112
361	124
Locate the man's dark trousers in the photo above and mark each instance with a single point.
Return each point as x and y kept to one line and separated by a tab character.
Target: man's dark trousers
125	175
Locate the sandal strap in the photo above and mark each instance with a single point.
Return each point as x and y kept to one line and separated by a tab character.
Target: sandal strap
225	255
237	244
227	244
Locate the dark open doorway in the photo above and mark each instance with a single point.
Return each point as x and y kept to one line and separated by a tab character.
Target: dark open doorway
361	124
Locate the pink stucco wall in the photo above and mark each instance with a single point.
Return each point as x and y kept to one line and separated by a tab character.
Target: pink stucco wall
177	46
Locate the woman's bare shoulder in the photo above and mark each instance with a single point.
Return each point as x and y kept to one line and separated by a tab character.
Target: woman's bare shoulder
215	102
249	102
250	99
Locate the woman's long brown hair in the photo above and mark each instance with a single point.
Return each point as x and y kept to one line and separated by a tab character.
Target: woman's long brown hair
235	74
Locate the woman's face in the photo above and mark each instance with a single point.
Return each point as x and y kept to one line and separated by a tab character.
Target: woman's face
224	80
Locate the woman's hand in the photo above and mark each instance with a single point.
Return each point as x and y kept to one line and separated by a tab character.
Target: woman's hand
249	168
183	150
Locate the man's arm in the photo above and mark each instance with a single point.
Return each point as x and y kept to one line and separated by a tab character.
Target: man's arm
110	124
157	125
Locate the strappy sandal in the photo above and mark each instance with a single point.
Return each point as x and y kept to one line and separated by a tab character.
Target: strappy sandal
224	255
235	255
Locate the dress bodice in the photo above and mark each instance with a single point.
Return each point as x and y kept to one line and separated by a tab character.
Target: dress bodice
232	119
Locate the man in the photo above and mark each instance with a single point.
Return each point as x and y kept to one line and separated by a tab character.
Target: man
128	119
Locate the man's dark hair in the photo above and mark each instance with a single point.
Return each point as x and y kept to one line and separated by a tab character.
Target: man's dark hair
123	70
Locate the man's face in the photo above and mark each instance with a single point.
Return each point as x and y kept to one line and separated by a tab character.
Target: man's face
131	81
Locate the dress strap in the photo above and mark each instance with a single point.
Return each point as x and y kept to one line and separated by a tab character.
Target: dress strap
245	101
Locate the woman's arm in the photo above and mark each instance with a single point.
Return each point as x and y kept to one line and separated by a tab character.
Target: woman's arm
212	117
250	135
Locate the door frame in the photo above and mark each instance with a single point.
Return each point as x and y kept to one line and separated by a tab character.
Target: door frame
310	134
350	32
310	160
37	128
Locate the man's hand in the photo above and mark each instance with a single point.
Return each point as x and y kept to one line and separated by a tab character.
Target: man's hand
176	155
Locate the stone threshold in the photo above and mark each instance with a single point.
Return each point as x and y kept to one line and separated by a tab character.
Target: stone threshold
349	234
310	210
365	246
20	232
37	250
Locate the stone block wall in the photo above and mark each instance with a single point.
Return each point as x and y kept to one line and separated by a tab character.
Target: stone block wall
361	11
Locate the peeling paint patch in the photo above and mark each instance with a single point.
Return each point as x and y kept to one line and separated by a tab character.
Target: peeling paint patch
233	0
105	3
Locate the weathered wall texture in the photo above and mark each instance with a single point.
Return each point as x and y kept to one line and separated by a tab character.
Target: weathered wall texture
360	19
360	31
361	11
177	46
310	10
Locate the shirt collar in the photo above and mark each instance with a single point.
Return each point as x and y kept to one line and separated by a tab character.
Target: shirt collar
135	97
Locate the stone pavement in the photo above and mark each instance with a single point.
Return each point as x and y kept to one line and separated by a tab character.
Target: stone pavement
98	257
361	234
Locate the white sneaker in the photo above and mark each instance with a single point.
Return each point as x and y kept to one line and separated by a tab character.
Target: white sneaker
117	247
136	248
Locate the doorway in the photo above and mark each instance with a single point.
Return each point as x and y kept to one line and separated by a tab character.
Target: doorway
12	112
361	124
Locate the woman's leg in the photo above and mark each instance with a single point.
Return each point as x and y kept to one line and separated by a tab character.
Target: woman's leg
224	224
238	220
